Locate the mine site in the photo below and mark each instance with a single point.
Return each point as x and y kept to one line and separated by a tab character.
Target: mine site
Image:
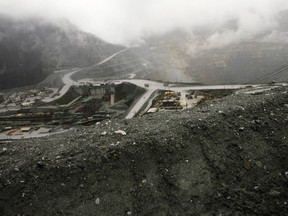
146	109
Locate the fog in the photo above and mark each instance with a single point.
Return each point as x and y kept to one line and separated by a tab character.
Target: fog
128	21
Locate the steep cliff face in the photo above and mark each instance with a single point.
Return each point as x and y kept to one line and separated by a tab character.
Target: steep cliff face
243	62
219	54
250	62
31	49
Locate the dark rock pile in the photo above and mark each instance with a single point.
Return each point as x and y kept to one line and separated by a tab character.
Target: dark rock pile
226	157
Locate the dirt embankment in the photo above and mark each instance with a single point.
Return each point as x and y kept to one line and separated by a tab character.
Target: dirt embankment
226	157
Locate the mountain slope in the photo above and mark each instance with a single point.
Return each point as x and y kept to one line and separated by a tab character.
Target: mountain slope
219	54
31	49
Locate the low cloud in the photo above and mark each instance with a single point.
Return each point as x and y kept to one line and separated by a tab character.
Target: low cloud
126	21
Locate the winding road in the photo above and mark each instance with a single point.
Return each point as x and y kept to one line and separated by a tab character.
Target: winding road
68	82
150	86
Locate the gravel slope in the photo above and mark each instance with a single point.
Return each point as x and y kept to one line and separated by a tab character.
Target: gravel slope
225	157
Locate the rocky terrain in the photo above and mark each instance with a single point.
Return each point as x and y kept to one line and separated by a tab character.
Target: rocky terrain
125	65
250	62
217	54
169	58
227	156
189	56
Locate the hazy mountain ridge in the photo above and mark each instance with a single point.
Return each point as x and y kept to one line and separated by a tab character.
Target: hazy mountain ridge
218	54
33	48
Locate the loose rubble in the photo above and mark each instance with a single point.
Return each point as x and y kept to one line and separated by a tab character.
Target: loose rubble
228	156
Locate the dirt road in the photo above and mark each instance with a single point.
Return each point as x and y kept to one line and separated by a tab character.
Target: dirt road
68	82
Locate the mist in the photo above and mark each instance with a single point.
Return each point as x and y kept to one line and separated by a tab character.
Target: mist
128	22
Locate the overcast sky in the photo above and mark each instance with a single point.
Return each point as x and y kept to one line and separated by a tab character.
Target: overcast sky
122	21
